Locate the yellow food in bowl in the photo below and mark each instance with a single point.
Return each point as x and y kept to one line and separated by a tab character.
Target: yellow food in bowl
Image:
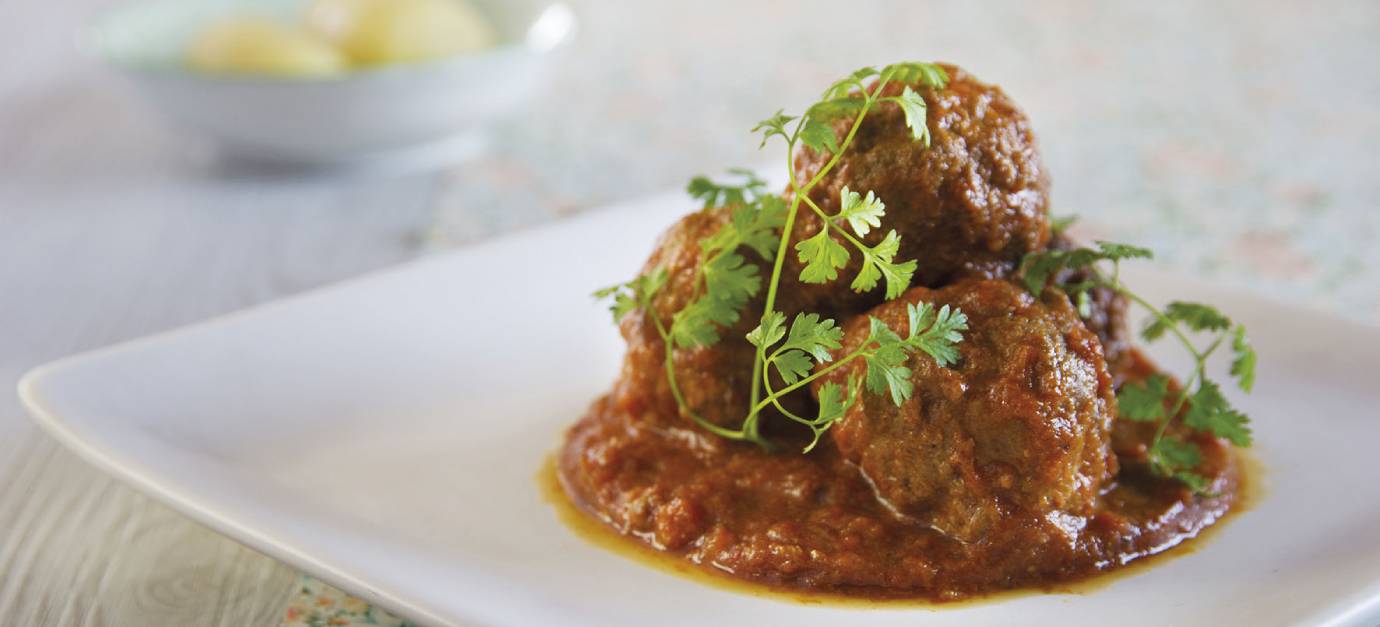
375	32
253	45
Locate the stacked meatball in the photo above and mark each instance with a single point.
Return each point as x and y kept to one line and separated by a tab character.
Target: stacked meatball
1019	427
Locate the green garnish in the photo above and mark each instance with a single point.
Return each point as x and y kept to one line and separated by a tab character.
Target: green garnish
1199	402
1060	224
726	281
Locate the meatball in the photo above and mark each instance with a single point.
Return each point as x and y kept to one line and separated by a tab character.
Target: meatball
972	203
1017	429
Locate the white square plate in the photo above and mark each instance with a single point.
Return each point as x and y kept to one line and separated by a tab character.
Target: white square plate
385	434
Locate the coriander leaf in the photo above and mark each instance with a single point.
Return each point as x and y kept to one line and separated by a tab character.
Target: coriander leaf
1144	401
1080	258
1195	482
728	278
632	294
697	324
622	306
1209	410
867	277
1195	316
819	136
894	379
1175	458
769	331
942	331
1176	453
885	372
898	276
833	404
829	111
649	284
877	264
774	125
844	86
1170	454
814	336
914	108
863	214
605	292
1037	268
1198	316
823	258
714	194
702	188
1059	224
793	365
1113	251
1155	329
911	72
757	225
1243	360
726	237
933	76
729	283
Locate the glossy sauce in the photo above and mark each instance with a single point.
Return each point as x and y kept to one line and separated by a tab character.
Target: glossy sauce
597	533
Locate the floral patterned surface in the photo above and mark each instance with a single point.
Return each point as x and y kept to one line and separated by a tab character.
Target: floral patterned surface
319	605
1238	139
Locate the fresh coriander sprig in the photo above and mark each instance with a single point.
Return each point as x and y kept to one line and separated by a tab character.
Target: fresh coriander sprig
823	256
811	340
1060	224
849	96
1199	401
725	281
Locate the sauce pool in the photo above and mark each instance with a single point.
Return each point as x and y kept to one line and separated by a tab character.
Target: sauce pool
597	533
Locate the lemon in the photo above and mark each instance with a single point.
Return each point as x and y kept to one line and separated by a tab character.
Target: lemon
375	32
254	45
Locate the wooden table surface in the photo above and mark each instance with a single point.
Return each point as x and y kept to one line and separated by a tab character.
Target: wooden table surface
113	226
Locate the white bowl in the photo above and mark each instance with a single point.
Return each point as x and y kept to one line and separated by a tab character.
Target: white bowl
358	115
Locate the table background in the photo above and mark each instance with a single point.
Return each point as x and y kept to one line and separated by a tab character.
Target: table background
1239	139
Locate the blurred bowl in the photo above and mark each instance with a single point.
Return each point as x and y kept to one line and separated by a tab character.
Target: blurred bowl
354	116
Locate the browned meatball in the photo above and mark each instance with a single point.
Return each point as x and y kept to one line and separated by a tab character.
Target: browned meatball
971	204
1017	429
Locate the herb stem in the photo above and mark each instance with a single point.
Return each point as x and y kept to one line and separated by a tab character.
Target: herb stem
1213	347
1168	323
1178	407
1199	357
807	380
750	423
829	224
680	398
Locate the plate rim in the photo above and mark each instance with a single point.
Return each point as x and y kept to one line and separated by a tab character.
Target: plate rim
204	511
201	511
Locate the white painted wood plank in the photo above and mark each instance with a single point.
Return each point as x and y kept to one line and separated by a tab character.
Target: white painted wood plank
78	549
112	227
